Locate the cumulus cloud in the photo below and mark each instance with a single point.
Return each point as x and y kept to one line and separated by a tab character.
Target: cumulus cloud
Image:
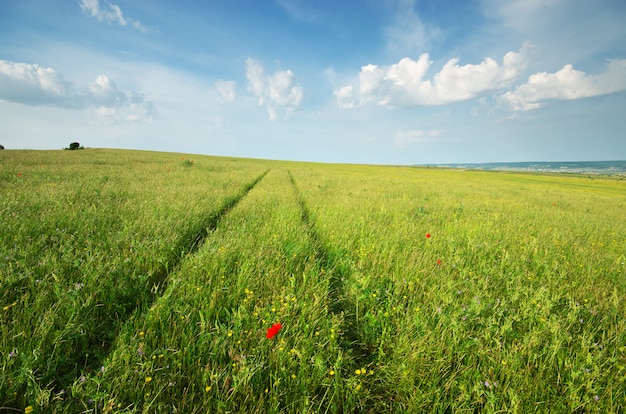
225	91
404	83
108	13
116	106
33	85
280	92
104	92
405	138
566	84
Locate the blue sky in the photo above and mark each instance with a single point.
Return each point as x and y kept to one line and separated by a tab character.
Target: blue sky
368	81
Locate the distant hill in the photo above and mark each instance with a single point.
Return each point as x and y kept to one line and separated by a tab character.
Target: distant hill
571	167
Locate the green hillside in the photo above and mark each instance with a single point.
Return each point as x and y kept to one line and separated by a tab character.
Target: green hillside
148	282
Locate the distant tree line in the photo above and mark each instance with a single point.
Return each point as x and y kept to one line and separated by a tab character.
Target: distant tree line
1	147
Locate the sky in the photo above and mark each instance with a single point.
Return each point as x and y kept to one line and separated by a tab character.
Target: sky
356	81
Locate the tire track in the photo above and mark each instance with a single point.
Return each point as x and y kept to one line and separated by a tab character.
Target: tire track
194	239
338	274
158	282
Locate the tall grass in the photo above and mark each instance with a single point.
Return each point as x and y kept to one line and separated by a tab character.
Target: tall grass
146	282
88	238
480	291
202	347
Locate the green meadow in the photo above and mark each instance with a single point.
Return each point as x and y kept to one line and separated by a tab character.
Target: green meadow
143	282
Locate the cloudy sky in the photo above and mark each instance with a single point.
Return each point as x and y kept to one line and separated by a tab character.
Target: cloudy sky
359	81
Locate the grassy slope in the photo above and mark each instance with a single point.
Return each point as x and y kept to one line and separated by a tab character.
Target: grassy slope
88	238
519	285
129	284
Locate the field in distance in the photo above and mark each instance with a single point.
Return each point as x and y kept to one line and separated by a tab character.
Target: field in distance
138	281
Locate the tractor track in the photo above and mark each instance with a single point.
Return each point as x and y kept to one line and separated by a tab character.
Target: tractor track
338	302
158	282
194	239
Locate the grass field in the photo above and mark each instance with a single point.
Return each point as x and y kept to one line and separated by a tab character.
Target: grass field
147	282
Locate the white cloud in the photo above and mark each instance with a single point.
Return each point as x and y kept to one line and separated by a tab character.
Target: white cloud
225	91
405	138
108	13
280	92
345	97
566	84
33	85
117	106
104	91
404	83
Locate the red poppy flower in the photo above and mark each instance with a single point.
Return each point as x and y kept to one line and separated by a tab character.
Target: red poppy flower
271	332
439	261
428	235
19	174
